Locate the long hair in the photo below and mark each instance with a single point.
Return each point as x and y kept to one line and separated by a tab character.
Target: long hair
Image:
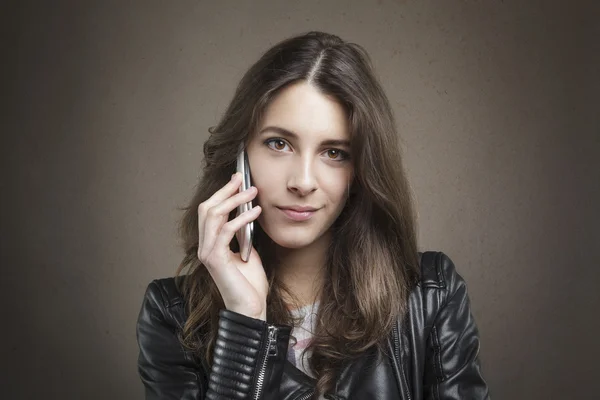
372	260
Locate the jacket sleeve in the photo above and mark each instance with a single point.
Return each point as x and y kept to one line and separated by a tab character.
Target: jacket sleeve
453	345
248	358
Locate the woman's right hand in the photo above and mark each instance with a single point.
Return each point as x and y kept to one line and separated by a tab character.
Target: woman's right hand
243	285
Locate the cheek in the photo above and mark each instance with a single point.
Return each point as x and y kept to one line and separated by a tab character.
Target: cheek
340	190
260	178
338	185
257	168
264	180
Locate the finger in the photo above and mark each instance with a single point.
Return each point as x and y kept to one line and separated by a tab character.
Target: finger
203	208
218	215
212	228
230	204
228	277
230	228
225	192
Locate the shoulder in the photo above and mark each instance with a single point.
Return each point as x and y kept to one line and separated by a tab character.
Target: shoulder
163	303
166	367
439	284
164	292
448	330
438	271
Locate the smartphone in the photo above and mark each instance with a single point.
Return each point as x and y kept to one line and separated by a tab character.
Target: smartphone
244	236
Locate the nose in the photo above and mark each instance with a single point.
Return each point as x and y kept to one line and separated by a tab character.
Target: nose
302	179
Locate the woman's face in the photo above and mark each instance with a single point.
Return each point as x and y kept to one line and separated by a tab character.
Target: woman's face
299	157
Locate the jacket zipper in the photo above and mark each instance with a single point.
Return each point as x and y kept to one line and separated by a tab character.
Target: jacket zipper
270	351
307	396
398	361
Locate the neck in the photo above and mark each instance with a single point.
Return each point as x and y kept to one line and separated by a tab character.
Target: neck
302	271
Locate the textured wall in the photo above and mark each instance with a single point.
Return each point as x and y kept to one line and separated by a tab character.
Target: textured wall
106	106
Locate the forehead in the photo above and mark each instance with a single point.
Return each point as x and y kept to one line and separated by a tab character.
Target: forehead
303	109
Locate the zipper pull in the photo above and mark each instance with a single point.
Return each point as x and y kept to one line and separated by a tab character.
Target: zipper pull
272	340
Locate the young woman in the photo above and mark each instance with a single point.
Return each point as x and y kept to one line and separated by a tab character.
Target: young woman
335	301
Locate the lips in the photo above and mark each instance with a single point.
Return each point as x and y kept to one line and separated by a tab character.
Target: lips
298	213
298	208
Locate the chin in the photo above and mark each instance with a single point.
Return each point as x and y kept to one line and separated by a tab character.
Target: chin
291	237
291	243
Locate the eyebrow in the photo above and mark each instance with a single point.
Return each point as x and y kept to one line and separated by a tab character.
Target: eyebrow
284	132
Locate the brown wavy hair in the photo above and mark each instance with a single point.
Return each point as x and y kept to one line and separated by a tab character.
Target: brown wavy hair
372	261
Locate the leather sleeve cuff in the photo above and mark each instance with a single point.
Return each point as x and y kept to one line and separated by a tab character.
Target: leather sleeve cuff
248	358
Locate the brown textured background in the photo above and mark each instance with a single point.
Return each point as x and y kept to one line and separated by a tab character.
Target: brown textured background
105	106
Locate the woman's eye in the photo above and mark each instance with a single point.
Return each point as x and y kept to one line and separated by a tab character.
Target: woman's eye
332	154
337	155
276	144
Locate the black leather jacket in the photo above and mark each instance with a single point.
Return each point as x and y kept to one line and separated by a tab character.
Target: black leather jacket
435	350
